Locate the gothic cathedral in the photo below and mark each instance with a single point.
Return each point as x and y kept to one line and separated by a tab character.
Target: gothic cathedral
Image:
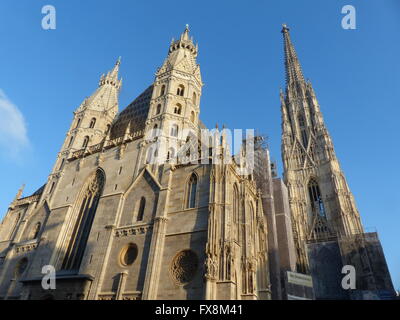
141	204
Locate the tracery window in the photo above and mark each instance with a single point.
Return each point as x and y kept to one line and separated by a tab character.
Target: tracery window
184	266
87	209
191	192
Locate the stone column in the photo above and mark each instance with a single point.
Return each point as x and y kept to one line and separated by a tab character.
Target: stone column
155	258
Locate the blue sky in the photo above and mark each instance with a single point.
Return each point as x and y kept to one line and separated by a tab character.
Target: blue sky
45	75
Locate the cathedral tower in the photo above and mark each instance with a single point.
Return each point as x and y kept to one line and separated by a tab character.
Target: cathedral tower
326	224
322	205
174	106
90	125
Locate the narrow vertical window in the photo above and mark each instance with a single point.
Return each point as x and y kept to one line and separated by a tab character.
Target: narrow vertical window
304	138
180	91
85	142
52	187
158	110
142	206
162	90
191	194
70	142
92	123
178	109
61	165
194	98
317	205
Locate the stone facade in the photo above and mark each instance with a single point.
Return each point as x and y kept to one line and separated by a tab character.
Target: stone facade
141	205
116	223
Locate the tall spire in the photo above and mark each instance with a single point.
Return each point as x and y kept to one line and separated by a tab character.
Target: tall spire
112	76
292	64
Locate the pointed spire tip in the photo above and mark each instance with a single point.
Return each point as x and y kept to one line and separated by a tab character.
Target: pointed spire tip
285	28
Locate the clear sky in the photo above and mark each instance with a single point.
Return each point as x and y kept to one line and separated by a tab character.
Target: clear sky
45	75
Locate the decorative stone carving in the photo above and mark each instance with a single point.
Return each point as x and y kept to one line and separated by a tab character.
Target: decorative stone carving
132	230
184	266
26	248
211	268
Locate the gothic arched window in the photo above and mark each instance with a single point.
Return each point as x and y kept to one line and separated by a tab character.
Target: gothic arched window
194	98
236	209
317	205
235	201
192	116
70	141
162	90
181	90
191	192
304	137
92	123
142	206
85	142
61	164
158	110
87	206
178	109
78	123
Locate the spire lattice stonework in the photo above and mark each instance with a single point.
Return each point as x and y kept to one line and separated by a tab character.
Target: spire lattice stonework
321	202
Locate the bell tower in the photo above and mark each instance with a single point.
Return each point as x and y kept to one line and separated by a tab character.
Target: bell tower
175	102
322	205
91	123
